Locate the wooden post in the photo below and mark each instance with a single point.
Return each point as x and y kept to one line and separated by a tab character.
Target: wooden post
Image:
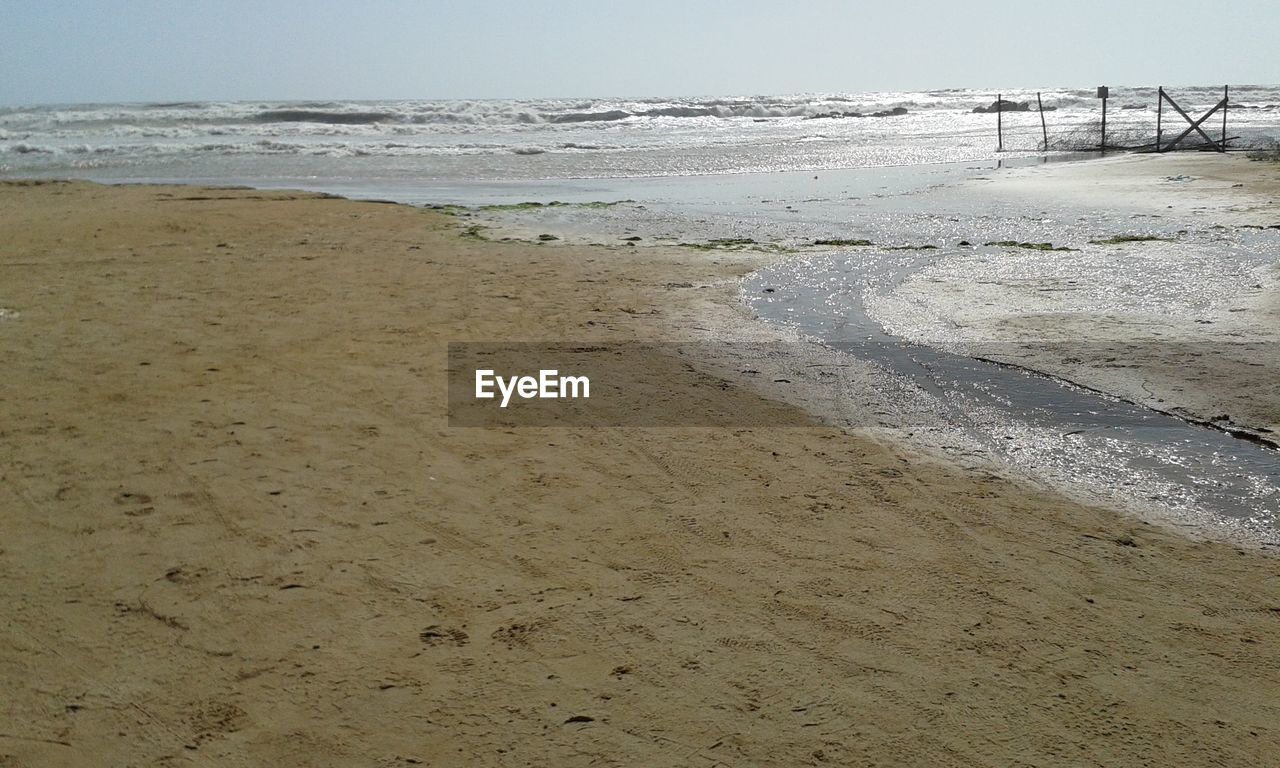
999	122
1104	125
1225	92
1044	129
1159	115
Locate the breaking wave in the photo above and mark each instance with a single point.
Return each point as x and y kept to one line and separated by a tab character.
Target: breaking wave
591	117
316	116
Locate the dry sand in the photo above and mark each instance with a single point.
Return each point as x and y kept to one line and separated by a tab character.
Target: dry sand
238	531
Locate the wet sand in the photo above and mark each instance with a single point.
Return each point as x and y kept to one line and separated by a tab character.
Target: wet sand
238	530
1228	189
1176	325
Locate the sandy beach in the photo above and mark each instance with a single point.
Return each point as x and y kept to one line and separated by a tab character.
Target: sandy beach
238	530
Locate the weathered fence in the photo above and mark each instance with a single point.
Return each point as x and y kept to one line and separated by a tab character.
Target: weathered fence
1038	126
1220	145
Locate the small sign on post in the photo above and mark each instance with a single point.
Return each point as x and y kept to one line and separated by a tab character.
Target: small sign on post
1103	92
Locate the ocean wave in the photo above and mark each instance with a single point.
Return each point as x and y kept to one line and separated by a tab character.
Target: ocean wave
681	112
23	148
178	105
317	116
277	147
612	115
465	117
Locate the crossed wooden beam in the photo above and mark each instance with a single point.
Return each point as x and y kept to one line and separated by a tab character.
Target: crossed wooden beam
1195	124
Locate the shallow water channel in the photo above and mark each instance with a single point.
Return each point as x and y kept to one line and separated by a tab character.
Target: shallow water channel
1100	446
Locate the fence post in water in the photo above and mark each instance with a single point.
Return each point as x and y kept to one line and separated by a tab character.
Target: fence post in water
1225	93
1104	125
1159	114
1043	128
999	122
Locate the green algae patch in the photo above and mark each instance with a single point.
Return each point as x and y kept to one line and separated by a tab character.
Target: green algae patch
845	243
736	244
1029	246
533	206
723	243
1119	239
448	210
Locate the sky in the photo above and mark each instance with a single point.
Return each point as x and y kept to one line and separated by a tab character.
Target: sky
71	51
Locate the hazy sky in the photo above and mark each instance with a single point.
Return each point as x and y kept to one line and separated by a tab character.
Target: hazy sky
148	50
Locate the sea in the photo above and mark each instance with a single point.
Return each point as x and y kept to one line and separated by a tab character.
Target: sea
444	151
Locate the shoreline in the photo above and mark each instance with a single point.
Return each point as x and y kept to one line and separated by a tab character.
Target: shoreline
1207	364
1114	361
818	399
1240	432
234	502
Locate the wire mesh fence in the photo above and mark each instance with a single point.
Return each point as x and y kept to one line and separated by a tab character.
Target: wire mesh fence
1132	123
